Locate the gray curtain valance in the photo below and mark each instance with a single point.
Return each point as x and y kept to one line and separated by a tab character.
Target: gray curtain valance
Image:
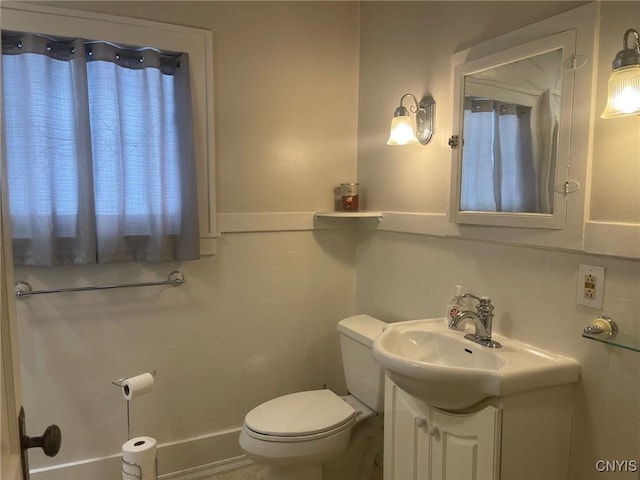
68	49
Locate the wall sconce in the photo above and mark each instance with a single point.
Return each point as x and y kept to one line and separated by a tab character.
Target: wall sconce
624	82
402	131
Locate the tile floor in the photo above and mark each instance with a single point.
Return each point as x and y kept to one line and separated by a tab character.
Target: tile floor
256	472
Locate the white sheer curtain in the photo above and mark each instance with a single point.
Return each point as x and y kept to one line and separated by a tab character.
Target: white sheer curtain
99	148
498	172
548	150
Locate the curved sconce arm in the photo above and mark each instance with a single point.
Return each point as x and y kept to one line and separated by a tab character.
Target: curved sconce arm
402	110
628	56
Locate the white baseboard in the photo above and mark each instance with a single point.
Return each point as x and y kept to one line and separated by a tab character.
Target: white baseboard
196	458
204	472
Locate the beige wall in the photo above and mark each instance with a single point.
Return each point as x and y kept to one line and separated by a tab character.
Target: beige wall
297	86
257	320
285	94
407	47
402	276
615	194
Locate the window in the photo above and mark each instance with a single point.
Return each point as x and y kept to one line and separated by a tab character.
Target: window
100	159
104	162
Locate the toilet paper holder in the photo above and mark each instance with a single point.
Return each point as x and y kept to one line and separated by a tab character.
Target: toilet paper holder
135	465
120	383
138	475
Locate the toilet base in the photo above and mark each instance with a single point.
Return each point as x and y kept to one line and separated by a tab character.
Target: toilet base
295	472
358	461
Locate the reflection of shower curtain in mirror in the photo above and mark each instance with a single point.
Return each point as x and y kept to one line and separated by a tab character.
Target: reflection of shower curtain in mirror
548	151
499	172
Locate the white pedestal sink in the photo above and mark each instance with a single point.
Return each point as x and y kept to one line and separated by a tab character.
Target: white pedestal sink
438	365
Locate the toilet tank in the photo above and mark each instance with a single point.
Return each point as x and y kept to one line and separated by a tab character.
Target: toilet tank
365	378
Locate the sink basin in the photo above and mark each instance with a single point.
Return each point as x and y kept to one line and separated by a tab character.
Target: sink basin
438	365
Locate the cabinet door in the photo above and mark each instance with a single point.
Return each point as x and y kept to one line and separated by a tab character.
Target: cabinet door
465	446
406	441
426	443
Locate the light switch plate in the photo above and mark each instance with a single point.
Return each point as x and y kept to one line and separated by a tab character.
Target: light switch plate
590	290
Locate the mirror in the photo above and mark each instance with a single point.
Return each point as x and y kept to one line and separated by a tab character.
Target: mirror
514	109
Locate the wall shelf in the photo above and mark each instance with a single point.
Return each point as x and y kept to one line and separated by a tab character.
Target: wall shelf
363	214
621	340
604	329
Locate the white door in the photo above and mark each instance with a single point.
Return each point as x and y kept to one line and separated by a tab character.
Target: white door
14	440
13	459
10	398
10	395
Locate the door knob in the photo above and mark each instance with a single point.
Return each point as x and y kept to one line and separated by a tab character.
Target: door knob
50	441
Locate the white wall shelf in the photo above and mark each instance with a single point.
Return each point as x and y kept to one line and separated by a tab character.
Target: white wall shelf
363	214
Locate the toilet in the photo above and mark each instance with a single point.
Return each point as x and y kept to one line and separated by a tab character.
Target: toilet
301	435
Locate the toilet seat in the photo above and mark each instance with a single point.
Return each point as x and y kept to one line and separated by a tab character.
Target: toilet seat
300	416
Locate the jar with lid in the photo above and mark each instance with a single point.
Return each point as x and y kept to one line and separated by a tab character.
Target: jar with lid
349	197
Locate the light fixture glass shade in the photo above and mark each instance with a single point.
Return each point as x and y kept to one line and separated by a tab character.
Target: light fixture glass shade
624	92
402	131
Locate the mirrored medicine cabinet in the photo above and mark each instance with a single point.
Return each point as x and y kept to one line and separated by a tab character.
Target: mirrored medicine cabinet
512	120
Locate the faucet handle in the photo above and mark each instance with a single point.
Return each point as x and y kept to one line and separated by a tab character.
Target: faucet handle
471	295
480	300
485	306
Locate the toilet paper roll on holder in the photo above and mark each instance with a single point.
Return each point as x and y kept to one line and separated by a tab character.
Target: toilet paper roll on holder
120	383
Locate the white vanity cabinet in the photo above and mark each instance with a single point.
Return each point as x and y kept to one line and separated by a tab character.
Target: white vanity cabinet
510	438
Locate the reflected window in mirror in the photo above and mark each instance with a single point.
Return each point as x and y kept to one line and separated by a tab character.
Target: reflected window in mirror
510	131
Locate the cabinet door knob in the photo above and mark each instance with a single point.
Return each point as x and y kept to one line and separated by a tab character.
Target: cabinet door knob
422	422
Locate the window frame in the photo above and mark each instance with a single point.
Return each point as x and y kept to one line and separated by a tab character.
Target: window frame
198	43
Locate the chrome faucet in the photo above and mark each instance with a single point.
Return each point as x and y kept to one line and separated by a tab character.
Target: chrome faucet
481	319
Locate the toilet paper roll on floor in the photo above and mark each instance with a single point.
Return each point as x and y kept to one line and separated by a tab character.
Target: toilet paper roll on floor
133	387
139	459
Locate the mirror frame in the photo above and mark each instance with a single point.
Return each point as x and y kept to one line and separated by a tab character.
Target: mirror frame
557	219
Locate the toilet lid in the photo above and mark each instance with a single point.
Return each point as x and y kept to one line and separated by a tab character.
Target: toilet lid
301	413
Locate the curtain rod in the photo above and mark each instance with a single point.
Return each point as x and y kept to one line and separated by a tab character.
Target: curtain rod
23	289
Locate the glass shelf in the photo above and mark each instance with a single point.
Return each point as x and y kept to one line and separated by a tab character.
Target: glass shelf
363	214
621	340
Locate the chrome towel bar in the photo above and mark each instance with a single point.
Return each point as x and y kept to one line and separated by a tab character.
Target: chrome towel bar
23	289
